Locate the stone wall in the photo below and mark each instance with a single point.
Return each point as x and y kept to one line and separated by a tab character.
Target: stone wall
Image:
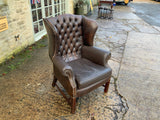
19	23
69	6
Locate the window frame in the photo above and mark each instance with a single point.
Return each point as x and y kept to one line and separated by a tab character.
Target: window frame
3	2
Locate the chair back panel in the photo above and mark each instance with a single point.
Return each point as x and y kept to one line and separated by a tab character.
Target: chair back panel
69	31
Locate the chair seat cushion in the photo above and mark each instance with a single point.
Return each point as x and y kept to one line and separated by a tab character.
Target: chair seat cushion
87	73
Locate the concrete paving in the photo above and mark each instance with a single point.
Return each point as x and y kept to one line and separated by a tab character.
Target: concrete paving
139	73
148	12
139	76
26	92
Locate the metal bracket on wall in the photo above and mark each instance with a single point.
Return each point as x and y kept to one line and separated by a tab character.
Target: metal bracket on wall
17	37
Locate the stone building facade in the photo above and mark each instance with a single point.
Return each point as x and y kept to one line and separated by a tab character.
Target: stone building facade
25	24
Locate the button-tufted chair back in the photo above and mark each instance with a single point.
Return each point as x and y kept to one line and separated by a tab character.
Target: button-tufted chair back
77	64
65	38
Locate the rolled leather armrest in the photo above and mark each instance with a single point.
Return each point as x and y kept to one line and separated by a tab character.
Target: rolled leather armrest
96	55
62	66
64	74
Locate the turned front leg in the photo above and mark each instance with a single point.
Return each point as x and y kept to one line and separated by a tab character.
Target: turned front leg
54	81
107	86
73	105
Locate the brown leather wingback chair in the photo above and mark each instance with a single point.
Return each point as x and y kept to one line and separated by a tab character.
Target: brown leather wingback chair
78	66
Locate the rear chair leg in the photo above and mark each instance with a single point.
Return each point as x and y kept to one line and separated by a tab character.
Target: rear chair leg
73	105
106	86
54	81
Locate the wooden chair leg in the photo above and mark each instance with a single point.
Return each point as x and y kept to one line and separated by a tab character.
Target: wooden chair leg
73	105
106	86
54	81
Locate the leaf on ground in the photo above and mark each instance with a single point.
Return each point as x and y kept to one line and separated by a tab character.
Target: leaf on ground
3	74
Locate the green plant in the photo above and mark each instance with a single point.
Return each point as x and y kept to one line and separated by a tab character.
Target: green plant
80	3
12	67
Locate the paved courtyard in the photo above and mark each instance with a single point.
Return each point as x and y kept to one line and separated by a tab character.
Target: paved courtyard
27	94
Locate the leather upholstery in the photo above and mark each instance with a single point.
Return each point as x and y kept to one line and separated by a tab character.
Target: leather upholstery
78	66
102	56
87	73
81	92
89	30
68	29
64	74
